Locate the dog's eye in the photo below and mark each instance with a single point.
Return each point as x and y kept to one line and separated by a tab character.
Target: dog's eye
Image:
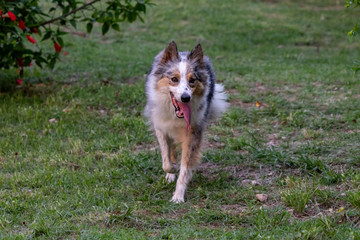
174	80
192	80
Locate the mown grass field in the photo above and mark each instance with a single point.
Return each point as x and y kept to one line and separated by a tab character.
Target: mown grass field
77	159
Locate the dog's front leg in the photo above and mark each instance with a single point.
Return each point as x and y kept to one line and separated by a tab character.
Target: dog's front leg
165	147
190	159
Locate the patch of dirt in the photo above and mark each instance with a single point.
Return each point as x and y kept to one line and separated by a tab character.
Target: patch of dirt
340	167
309	44
265	175
177	213
346	132
72	166
22	230
133	80
259	88
273	140
146	147
209	170
101	110
234	209
118	218
212	143
316	211
236	101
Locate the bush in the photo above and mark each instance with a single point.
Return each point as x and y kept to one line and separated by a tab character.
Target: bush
356	29
20	20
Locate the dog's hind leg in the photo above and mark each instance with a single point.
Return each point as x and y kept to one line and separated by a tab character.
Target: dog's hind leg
165	145
190	159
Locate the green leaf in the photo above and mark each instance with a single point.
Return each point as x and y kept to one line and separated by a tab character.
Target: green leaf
131	16
39	32
356	69
59	32
66	9
47	35
89	27
105	28
39	60
60	41
354	32
73	23
52	63
140	7
27	61
116	27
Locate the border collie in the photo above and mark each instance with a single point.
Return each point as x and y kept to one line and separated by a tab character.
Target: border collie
182	97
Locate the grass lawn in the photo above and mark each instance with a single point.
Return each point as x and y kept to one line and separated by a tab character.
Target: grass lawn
77	159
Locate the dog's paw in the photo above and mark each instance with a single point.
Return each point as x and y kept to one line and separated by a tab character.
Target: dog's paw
170	177
170	168
177	199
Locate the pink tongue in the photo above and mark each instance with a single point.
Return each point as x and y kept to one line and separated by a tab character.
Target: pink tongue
186	109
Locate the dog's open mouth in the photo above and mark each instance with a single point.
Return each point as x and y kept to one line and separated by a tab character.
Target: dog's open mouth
182	110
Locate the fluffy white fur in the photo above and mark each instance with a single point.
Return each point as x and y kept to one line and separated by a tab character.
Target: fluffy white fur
171	131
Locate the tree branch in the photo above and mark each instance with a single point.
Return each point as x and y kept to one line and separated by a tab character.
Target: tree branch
67	14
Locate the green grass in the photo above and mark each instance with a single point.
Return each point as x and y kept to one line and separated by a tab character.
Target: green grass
298	195
77	159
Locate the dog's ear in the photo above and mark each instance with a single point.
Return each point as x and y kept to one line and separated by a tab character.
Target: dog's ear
170	53
197	55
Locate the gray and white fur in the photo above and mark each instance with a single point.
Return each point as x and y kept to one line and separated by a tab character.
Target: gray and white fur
182	97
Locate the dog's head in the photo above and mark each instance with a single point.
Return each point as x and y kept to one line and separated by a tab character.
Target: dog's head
183	76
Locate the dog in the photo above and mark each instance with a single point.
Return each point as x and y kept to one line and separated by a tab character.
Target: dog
182	97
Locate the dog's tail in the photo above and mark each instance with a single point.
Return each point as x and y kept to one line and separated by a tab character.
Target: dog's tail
219	104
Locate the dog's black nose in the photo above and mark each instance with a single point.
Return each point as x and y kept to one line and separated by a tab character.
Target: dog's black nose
185	97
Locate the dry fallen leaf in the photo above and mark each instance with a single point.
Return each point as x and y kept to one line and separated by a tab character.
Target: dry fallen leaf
53	120
261	197
246	182
255	182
